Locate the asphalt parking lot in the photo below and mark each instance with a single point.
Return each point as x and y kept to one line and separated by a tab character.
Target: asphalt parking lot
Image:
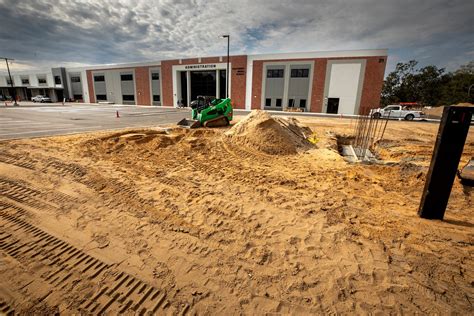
47	119
37	120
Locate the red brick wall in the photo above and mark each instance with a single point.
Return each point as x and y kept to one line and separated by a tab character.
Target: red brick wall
167	82
319	78
142	85
90	85
256	97
237	81
373	81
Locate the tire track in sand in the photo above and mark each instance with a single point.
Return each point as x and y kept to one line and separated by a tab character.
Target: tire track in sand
65	267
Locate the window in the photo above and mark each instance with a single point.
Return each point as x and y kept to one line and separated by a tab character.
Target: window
9	81
156	98
57	80
278	102
78	97
76	79
302	103
275	73
42	80
291	103
299	73
128	97
99	78
155	76
381	60
101	97
25	81
127	77
268	102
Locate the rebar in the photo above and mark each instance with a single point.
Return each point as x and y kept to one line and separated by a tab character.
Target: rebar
368	130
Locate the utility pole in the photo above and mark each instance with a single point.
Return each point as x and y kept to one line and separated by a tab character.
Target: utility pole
11	80
227	72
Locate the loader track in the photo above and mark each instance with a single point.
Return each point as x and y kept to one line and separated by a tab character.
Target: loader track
19	161
6	309
64	267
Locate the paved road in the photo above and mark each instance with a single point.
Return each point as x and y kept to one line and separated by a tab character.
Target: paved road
45	120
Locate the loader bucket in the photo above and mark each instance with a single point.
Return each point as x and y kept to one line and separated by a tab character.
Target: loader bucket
189	123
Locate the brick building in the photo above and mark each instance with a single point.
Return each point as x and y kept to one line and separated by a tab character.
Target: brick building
330	82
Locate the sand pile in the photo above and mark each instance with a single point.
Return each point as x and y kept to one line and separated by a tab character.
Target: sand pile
271	135
437	111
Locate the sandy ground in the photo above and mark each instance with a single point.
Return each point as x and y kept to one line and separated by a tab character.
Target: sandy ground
187	222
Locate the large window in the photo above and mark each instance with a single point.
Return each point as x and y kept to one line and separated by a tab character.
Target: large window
291	103
268	102
155	76
101	97
25	81
57	80
302	103
99	78
128	97
126	77
75	79
278	102
41	80
275	73
299	73
156	98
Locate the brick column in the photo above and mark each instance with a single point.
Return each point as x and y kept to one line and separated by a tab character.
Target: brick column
142	77
90	86
319	79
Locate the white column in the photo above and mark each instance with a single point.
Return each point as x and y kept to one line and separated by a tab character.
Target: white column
286	84
188	86
218	79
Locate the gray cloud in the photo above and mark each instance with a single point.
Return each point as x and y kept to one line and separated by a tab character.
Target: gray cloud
63	32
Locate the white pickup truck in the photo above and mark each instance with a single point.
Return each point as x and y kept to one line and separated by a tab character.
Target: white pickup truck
396	112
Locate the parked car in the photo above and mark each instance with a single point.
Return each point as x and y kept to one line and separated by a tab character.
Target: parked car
397	111
41	98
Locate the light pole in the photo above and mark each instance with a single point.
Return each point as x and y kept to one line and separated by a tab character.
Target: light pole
227	71
11	81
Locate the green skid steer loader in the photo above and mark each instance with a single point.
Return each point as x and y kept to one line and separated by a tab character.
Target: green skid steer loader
209	112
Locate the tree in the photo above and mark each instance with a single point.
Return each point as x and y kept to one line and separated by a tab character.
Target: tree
428	85
395	85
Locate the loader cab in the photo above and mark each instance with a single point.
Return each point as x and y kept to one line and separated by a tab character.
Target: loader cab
202	102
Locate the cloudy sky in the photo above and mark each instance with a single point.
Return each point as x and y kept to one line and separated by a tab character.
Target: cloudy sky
45	33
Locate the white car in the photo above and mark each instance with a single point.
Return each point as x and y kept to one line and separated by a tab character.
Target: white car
397	112
40	98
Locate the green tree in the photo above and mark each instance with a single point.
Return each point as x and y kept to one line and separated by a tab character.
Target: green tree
396	85
429	85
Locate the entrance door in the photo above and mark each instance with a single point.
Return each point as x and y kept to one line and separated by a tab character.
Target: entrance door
28	94
184	89
203	83
333	105
60	95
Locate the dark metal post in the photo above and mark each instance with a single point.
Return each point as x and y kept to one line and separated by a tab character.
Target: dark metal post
11	81
447	153
227	71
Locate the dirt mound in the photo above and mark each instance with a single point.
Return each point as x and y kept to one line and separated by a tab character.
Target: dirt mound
141	140
271	135
437	112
